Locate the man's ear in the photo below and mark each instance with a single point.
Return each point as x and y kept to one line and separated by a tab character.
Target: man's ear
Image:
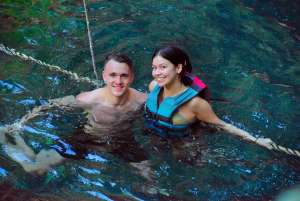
132	77
179	68
104	76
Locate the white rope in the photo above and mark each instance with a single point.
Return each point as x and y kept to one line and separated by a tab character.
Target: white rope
90	39
66	102
285	149
74	76
265	142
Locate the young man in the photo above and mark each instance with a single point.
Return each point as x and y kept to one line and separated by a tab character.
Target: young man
116	102
111	112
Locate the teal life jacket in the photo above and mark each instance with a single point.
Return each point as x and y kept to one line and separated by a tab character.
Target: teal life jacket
158	117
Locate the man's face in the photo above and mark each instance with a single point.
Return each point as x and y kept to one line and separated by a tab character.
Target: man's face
117	77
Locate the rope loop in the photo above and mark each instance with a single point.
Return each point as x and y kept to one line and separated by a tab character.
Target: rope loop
72	75
90	39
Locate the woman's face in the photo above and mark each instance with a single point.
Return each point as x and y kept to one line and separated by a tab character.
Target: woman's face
163	71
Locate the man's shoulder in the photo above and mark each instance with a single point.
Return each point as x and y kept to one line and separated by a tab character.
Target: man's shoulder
138	95
89	96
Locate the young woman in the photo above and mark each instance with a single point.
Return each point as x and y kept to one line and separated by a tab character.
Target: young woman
178	99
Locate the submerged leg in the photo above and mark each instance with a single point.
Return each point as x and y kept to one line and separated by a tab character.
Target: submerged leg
144	169
44	160
16	148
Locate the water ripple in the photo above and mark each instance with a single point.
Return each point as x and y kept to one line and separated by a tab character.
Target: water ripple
95	158
99	195
13	87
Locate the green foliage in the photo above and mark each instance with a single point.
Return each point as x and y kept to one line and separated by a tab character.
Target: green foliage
15	67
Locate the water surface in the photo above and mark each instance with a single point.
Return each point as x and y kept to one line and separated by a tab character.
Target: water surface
249	60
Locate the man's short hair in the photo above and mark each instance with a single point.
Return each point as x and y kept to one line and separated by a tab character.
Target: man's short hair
121	58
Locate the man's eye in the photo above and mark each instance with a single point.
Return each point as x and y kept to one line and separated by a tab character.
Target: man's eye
113	75
125	75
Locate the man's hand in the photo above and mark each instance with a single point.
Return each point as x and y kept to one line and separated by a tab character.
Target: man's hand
64	101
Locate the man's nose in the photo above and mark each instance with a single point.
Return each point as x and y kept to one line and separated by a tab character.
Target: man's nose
118	79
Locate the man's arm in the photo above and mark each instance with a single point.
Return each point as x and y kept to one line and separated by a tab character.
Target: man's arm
68	101
65	102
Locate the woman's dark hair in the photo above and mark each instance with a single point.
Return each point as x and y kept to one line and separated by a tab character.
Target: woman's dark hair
176	56
121	58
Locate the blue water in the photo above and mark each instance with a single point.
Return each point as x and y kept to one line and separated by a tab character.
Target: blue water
249	60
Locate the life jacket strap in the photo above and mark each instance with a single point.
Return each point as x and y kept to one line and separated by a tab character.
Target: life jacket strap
156	116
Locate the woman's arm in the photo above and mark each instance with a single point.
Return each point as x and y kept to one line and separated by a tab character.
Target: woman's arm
264	142
205	113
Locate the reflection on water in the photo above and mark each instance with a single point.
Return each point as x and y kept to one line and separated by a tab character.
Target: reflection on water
249	61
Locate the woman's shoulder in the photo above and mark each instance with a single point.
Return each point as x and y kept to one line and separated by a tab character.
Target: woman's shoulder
197	103
152	84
